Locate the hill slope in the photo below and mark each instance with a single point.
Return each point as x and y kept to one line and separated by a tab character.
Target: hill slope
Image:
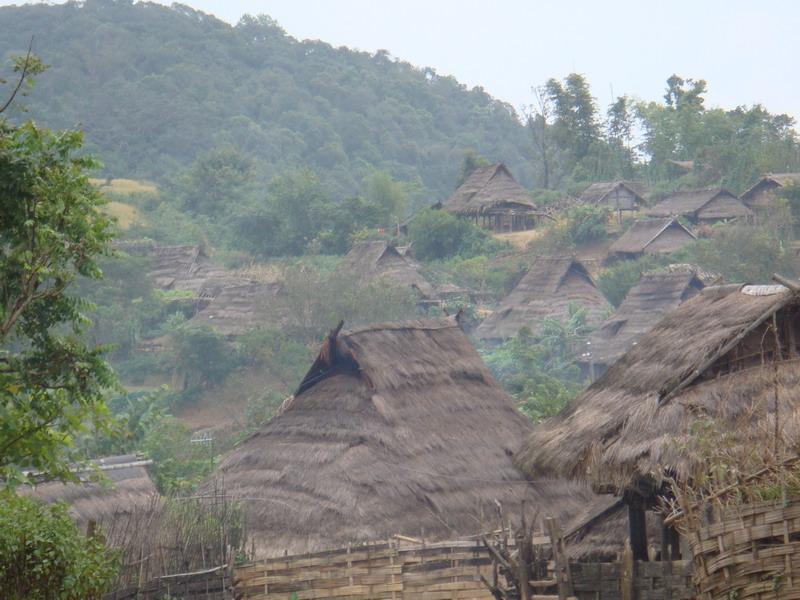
154	87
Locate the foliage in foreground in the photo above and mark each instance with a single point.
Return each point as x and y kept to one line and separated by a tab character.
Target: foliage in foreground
44	556
51	232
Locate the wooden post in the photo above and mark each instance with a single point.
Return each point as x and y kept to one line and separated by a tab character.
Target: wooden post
627	573
525	550
563	574
637	526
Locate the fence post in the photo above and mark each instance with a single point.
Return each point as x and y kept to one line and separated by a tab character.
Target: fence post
627	573
563	574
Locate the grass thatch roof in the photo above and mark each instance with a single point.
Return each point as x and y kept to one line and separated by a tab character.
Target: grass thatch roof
237	305
182	267
704	204
372	260
487	188
704	359
550	285
655	295
652	236
398	428
759	195
130	490
598	193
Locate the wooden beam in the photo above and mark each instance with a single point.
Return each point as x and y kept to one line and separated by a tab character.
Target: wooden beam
637	527
786	282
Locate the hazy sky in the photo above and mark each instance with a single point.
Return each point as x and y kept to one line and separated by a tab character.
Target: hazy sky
746	50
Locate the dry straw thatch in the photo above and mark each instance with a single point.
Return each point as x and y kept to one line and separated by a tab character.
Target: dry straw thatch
489	188
708	205
654	296
128	490
762	194
619	195
712	358
651	236
398	428
370	261
550	285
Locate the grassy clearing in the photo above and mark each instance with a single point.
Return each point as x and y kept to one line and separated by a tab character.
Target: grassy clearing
125	187
125	214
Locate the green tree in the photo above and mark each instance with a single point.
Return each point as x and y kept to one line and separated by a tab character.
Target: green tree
436	234
215	182
43	556
51	232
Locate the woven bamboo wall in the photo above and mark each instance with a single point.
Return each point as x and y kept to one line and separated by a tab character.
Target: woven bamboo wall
450	570
444	571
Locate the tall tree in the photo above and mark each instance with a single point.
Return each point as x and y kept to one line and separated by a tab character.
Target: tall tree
51	232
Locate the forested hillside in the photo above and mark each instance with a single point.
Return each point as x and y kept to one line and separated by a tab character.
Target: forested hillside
154	87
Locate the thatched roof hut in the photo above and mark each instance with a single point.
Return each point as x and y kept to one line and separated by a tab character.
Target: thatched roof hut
762	195
130	490
706	205
651	236
655	295
236	305
372	260
493	198
619	195
182	267
710	358
550	285
398	428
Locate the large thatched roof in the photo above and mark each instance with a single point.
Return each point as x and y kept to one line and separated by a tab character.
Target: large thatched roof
398	428
652	236
760	195
237	305
705	359
702	205
550	285
130	490
182	267
372	260
603	191
655	295
487	188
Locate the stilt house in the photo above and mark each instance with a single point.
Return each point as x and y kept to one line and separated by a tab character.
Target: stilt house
618	195
730	354
651	236
702	206
492	198
763	194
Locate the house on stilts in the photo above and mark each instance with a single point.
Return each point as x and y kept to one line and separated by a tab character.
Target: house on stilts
725	355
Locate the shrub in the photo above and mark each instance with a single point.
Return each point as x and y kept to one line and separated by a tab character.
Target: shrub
44	556
436	234
616	281
586	223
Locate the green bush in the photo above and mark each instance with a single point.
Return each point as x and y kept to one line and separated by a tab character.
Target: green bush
616	280
44	556
435	234
587	223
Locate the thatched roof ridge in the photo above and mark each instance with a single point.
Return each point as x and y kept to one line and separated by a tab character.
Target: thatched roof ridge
692	203
655	295
397	428
598	192
620	433
769	182
130	490
643	233
371	260
237	305
486	188
545	292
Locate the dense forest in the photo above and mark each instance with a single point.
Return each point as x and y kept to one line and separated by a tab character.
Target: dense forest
156	87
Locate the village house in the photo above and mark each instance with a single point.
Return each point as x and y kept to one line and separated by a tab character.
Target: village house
618	195
763	194
729	354
654	296
546	291
492	198
397	428
651	236
701	206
